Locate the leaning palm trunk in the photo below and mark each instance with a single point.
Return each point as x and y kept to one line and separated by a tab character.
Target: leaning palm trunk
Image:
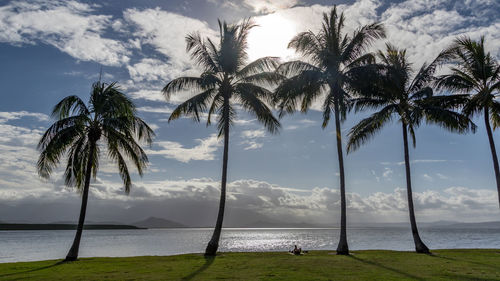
73	251
342	248
420	247
493	150
213	245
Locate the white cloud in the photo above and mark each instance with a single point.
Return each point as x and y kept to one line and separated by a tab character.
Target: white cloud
150	109
245	122
375	175
66	25
258	6
435	25
419	161
251	139
441	176
149	95
387	173
7	116
427	177
251	144
268	6
150	28
253	134
153	70
304	123
21	185
205	150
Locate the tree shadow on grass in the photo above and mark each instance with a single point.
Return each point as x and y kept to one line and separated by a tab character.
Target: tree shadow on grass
470	278
34	269
208	262
408	275
466	261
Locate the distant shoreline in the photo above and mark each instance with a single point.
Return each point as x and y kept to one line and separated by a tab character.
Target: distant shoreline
57	226
16	226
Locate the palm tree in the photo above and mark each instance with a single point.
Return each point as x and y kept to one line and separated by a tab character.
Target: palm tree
333	58
226	80
475	73
109	117
413	101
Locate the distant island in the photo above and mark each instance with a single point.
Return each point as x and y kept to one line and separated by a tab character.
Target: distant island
153	222
61	226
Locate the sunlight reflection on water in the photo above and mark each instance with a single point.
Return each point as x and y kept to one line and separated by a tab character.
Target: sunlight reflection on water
41	245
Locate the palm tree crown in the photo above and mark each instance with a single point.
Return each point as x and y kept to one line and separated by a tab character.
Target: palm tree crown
474	71
413	100
226	79
476	74
333	60
109	115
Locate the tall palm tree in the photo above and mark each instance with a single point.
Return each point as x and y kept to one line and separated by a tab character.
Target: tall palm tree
226	79
109	117
477	74
412	100
333	57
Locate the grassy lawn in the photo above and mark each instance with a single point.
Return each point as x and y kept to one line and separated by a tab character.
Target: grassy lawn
317	265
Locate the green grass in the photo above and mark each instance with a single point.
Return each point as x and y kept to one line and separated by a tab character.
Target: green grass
317	265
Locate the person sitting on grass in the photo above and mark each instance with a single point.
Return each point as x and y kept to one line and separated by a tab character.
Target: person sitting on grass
296	251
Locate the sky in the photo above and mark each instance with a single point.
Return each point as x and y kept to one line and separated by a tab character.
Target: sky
52	49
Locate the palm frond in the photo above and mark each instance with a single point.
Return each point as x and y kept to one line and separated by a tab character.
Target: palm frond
203	56
368	127
251	98
306	43
292	68
264	78
68	106
361	40
265	64
306	86
495	114
194	106
448	119
458	81
364	103
77	163
54	146
205	82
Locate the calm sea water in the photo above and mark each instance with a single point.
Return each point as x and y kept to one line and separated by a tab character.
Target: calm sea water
42	245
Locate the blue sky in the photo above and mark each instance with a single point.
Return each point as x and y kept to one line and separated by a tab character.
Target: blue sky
51	49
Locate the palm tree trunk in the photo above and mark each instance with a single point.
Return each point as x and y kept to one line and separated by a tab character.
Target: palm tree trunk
73	251
420	247
493	150
342	248
213	245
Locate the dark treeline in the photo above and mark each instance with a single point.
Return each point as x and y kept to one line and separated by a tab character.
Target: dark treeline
336	69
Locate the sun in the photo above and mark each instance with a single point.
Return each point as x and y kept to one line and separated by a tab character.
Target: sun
271	37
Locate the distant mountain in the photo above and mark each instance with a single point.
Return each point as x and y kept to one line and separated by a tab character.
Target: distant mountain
436	224
87	222
153	222
476	225
402	224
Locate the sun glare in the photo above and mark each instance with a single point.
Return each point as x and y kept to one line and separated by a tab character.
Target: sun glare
271	37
